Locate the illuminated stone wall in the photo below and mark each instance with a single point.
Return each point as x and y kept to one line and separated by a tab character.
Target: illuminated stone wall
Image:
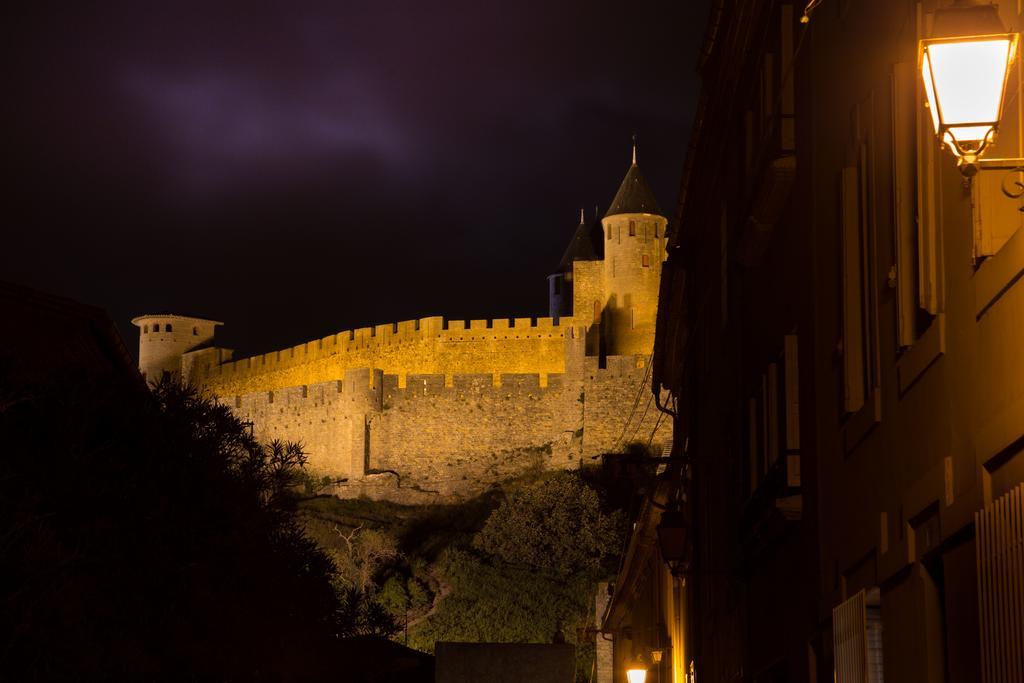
429	440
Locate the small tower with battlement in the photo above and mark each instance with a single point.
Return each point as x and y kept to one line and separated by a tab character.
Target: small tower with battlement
164	339
634	248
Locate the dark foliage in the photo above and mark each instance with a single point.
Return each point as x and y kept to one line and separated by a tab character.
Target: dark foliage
555	525
361	615
152	537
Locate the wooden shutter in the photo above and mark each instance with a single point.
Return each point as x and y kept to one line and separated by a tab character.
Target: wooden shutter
1000	552
792	377
904	191
857	641
853	290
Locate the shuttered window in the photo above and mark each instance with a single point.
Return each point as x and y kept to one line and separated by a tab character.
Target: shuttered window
1000	550
915	274
857	639
773	419
858	209
854	369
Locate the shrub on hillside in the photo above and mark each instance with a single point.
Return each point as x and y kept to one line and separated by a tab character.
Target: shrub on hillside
554	525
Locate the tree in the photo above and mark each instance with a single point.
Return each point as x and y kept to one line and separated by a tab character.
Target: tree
363	553
151	536
555	525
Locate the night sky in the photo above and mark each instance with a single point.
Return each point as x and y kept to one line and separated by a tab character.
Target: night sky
302	168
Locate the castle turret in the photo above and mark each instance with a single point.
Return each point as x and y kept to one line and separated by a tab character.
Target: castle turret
586	245
164	339
634	239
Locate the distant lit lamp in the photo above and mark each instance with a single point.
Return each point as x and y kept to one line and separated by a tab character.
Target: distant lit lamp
964	66
636	671
656	656
673	538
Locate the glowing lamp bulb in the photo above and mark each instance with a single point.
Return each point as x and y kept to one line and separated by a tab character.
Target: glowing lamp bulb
636	675
964	68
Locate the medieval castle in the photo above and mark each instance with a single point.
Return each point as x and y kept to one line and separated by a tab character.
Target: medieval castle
431	408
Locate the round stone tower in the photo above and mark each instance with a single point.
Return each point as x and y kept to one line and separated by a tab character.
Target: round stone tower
163	339
634	248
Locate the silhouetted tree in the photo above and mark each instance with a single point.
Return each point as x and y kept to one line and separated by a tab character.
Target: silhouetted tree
151	536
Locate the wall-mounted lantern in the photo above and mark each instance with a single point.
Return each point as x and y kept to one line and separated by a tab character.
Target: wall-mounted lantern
964	66
673	539
636	671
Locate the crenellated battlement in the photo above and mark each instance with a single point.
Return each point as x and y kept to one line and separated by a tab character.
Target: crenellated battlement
359	382
412	347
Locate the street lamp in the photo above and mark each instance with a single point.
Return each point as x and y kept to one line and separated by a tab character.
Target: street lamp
964	66
636	672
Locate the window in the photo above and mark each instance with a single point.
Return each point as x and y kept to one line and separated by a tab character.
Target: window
723	262
859	281
167	327
645	261
773	419
195	331
853	293
916	207
857	638
609	233
145	329
632	229
655	231
1000	538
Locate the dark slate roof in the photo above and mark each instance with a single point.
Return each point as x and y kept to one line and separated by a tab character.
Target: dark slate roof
634	195
586	245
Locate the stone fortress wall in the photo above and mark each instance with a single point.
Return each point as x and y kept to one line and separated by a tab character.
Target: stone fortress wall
437	436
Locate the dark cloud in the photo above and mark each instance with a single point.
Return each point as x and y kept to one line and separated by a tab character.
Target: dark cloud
299	168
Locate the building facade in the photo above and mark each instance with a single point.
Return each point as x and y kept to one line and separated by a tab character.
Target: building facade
840	327
424	409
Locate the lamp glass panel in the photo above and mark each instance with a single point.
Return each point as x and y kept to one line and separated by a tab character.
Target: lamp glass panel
968	79
933	107
636	675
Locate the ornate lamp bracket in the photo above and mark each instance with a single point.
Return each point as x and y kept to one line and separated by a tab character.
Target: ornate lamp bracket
1012	184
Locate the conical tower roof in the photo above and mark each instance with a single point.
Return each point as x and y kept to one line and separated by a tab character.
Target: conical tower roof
634	195
586	245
